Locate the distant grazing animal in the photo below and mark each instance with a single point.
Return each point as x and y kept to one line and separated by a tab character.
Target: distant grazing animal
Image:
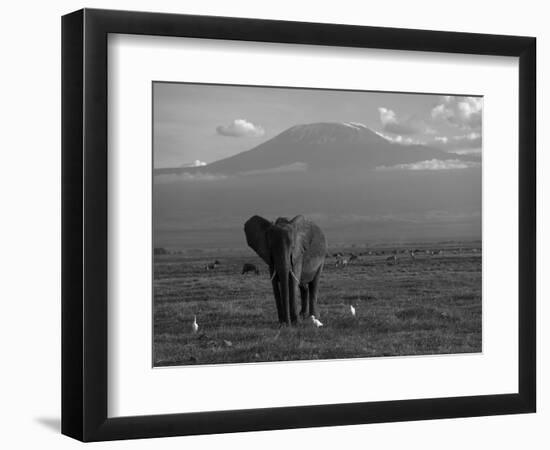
391	260
212	266
247	267
316	322
294	249
342	262
195	325
352	310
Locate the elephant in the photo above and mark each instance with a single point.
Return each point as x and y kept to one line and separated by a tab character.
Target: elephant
295	252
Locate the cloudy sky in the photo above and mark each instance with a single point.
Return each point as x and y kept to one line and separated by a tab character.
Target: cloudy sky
197	124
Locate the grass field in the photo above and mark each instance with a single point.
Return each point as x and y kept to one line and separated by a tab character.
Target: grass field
431	305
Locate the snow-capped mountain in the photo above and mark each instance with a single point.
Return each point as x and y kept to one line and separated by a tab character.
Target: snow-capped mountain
320	146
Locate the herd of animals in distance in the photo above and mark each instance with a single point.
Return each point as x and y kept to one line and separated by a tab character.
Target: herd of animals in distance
341	259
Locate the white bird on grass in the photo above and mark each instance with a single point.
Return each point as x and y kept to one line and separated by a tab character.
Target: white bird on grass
316	322
352	310
195	325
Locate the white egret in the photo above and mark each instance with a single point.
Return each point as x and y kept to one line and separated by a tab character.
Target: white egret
352	310
195	325
316	322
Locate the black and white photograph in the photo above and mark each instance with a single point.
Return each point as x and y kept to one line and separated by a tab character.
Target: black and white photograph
313	224
275	225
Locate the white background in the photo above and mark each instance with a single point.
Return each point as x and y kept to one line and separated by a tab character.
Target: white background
30	323
135	389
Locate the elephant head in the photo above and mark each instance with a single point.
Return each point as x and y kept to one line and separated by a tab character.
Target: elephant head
295	252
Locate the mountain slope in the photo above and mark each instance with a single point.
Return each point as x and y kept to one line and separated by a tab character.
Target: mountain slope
323	146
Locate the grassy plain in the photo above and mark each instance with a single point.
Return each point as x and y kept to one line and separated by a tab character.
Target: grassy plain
429	305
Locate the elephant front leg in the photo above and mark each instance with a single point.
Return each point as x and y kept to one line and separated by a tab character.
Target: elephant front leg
278	300
313	293
293	287
303	296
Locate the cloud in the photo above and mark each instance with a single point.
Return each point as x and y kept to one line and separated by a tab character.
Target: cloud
240	128
392	124
196	163
470	140
398	139
465	143
200	176
467	151
387	116
294	167
186	176
432	164
462	112
470	110
442	111
206	176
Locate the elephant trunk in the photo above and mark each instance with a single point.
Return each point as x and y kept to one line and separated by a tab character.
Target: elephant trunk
285	295
282	268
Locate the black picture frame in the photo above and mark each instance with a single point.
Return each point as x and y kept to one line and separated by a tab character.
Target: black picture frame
84	224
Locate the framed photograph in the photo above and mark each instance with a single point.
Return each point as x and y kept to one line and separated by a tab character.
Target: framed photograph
273	225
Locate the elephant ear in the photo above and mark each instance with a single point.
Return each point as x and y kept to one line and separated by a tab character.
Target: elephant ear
300	225
298	221
255	229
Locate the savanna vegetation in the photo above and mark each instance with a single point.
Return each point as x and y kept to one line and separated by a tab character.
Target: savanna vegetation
429	304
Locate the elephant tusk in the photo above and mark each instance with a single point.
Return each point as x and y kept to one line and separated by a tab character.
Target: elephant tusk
294	276
291	273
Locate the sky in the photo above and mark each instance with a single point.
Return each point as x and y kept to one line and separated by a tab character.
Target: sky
197	124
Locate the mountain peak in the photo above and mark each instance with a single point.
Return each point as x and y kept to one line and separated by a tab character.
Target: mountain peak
325	132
